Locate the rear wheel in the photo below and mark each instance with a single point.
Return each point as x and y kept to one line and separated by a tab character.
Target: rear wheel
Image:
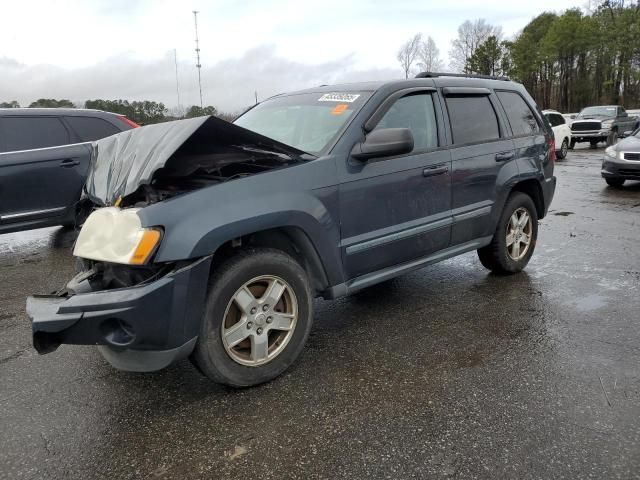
614	182
593	143
257	318
564	148
515	237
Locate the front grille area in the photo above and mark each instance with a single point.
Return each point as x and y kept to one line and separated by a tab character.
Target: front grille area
635	156
585	126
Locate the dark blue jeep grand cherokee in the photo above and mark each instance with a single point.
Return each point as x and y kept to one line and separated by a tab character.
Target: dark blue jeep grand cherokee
210	239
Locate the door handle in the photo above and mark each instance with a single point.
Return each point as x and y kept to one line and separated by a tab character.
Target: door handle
504	156
69	162
433	171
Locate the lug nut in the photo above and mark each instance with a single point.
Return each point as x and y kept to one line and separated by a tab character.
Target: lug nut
265	308
269	319
253	310
249	324
259	330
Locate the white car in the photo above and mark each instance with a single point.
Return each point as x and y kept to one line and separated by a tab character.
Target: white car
561	131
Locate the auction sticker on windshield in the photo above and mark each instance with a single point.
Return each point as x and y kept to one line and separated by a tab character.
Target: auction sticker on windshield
339	97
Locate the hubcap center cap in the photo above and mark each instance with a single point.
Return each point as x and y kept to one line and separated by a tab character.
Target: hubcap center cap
260	319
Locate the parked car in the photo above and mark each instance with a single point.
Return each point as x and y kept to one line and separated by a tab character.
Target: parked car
211	239
601	124
561	132
44	158
622	161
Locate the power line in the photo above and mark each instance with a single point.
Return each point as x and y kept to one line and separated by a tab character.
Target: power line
198	65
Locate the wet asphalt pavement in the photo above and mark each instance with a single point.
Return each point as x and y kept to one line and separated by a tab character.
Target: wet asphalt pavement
446	372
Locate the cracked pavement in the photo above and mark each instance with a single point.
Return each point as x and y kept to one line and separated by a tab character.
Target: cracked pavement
446	372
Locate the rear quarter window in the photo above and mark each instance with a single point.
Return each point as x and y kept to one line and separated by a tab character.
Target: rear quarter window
28	133
89	129
520	116
473	119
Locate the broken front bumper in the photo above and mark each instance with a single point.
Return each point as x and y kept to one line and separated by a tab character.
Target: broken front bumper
141	328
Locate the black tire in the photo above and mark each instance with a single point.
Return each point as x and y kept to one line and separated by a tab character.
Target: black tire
495	256
562	153
612	138
594	143
614	182
210	355
572	144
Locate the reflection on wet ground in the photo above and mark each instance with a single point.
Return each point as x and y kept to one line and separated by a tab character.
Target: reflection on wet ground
449	371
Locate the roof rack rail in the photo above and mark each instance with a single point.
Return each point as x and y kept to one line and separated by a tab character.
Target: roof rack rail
463	75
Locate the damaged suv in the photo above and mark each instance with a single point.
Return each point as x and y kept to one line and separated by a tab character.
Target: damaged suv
210	240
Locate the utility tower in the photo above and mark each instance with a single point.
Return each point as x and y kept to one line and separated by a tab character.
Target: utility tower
198	65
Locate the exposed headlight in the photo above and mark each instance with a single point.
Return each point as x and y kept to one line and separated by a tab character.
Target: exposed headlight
611	152
113	235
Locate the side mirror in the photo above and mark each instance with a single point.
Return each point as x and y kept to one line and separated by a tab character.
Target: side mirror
384	143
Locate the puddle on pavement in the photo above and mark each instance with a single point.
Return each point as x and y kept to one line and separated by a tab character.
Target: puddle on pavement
563	214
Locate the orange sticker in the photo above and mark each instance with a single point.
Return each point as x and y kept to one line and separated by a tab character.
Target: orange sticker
339	109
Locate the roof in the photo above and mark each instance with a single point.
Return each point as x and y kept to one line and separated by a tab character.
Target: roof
440	81
54	111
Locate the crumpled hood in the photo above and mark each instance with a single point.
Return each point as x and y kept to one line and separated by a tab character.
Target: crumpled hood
123	162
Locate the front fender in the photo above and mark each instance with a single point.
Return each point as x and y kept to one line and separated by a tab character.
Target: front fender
198	223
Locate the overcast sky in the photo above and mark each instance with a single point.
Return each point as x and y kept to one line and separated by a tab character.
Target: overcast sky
125	48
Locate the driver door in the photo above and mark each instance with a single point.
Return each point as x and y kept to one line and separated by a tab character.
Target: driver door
397	209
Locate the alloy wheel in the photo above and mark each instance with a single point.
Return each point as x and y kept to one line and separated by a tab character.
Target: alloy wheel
519	233
259	320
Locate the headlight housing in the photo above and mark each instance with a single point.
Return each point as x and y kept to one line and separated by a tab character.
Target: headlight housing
611	152
606	124
113	235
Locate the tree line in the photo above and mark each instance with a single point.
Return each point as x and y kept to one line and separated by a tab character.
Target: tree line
142	112
565	61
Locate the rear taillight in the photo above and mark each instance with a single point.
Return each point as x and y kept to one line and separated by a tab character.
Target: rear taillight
552	149
131	123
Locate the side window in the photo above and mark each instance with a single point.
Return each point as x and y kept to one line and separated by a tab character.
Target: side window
473	119
559	120
417	113
551	119
27	133
90	129
520	115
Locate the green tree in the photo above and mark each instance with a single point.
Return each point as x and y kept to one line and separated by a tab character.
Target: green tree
11	104
487	58
52	103
142	112
196	111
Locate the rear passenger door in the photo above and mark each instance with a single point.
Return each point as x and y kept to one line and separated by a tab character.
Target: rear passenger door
40	175
397	209
482	158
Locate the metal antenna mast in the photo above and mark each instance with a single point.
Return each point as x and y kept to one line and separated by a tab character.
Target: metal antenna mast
175	59
198	66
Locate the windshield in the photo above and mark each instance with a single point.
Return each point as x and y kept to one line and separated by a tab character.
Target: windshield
598	111
308	121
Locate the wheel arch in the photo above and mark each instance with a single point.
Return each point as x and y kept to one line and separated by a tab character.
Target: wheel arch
292	240
533	189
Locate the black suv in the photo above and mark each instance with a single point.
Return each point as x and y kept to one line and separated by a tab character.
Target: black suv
44	159
211	239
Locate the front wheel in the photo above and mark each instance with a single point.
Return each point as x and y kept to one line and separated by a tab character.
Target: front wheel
572	144
257	318
564	148
612	138
515	236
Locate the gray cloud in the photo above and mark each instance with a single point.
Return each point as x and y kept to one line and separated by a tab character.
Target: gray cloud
229	85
